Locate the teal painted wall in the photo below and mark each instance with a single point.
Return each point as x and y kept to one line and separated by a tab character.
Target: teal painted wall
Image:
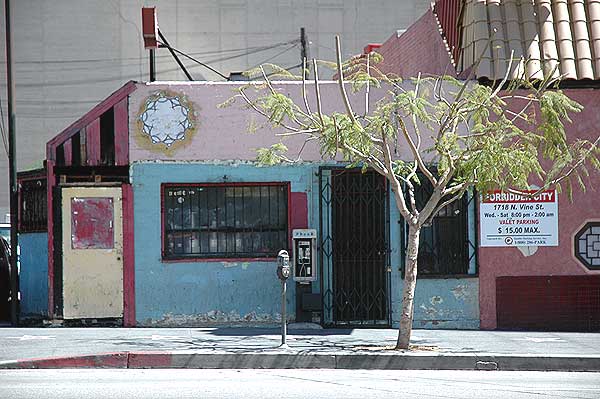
440	303
209	292
204	292
34	274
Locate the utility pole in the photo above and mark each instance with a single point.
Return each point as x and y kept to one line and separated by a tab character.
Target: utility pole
12	171
152	65
304	52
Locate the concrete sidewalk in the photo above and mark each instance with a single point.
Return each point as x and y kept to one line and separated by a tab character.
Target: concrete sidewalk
308	348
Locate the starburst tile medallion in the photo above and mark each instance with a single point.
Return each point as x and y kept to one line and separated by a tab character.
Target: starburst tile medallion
167	118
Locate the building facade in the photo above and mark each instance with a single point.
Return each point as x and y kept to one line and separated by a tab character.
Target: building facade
186	225
199	223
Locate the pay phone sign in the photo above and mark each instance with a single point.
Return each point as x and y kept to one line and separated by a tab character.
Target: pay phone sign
304	254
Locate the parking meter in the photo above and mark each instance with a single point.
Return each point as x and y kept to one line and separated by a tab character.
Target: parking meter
283	265
283	272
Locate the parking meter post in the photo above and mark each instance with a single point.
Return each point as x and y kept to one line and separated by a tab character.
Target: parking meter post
283	272
283	313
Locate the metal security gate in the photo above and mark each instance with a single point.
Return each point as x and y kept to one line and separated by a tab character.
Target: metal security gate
354	252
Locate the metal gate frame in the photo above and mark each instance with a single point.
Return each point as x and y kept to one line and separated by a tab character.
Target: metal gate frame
326	254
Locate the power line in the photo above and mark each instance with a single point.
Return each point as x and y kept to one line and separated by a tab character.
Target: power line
3	129
162	56
123	78
276	55
195	60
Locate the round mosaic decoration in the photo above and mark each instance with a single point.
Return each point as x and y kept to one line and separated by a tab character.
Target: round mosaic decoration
587	245
166	119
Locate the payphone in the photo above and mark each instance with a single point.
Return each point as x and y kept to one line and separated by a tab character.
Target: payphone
304	250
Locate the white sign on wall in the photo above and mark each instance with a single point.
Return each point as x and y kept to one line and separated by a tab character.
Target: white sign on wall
511	220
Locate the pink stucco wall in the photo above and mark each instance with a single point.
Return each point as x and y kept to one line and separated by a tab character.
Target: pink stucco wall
222	133
496	262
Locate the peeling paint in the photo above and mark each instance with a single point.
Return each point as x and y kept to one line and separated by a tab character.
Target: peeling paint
436	300
428	311
528	251
229	264
214	317
460	292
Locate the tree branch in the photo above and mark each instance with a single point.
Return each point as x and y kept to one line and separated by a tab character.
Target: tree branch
308	111
341	81
251	104
444	204
415	152
400	201
318	93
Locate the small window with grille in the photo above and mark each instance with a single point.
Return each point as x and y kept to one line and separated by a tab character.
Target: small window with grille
33	212
444	244
224	220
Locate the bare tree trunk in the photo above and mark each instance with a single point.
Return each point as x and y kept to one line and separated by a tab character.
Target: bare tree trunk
410	283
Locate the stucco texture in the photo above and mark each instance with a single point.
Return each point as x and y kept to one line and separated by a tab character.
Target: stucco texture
548	261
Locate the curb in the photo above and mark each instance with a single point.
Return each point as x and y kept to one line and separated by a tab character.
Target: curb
195	360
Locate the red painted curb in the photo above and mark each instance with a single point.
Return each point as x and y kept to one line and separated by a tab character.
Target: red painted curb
105	360
121	360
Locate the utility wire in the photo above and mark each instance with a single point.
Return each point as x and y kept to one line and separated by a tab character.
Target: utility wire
58	68
136	76
276	55
3	129
161	56
193	59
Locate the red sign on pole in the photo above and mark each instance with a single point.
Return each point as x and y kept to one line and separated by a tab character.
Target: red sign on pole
149	27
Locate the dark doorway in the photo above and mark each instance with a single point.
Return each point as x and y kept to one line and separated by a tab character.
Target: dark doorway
357	285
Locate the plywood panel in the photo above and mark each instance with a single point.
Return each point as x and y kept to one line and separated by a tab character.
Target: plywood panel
93	142
121	133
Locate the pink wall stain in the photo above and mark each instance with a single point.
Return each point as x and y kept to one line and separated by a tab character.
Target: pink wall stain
496	262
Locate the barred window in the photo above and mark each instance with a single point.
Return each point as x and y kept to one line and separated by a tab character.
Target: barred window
224	221
444	244
33	206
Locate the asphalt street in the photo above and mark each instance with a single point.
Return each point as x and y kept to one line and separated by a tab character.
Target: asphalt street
283	384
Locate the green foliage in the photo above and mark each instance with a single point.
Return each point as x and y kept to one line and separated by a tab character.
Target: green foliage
405	171
555	107
272	155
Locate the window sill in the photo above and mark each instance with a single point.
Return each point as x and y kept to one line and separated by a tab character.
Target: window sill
212	260
446	276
